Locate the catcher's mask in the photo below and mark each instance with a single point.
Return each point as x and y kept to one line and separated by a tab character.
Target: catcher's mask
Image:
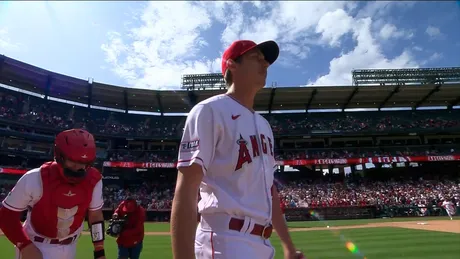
75	152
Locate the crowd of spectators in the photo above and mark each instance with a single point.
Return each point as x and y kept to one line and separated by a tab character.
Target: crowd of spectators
142	156
158	196
4	189
291	154
125	155
151	195
351	152
323	194
15	106
19	107
362	122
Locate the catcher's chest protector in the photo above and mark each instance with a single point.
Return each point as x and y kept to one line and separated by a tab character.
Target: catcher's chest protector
61	204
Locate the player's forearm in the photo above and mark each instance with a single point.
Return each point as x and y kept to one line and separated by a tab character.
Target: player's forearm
279	224
10	224
184	211
183	225
95	218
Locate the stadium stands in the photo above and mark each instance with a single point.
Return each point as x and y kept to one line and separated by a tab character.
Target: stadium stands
326	150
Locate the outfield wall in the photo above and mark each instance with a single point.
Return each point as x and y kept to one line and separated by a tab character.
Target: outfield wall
328	213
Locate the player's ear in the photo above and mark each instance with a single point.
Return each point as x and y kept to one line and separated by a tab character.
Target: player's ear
231	64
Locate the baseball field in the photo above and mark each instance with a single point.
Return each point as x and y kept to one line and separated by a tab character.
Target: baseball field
405	238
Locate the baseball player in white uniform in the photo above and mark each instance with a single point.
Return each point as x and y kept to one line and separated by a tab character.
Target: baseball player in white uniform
227	153
57	197
449	207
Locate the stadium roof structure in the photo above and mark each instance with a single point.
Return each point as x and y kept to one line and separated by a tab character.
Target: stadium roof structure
49	84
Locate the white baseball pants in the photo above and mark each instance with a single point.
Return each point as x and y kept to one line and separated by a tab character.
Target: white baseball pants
215	241
50	251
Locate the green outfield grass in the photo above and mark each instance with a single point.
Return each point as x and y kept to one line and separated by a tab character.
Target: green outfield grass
164	227
374	243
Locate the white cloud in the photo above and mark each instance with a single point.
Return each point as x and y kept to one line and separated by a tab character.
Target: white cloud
435	56
380	9
6	44
433	32
389	31
164	47
167	40
366	54
333	25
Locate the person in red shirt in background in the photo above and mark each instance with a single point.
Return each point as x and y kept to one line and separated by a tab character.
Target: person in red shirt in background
283	208
130	240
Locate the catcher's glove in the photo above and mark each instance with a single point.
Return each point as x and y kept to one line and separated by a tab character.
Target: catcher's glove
115	227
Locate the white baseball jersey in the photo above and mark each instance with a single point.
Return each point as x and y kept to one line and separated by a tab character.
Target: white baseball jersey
235	147
28	191
449	206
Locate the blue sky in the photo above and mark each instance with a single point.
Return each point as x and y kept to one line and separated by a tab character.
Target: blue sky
151	44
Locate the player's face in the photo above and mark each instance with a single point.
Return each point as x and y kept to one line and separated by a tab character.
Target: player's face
74	166
253	68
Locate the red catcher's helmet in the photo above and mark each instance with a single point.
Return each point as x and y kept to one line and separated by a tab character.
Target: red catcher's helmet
76	145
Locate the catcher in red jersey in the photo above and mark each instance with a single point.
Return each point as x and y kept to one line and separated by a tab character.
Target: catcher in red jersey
58	196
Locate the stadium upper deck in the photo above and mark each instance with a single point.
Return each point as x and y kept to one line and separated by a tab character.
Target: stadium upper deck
96	95
28	122
35	114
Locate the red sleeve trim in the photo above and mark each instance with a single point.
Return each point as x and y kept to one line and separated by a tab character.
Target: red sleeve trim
212	246
190	160
12	207
10	224
97	208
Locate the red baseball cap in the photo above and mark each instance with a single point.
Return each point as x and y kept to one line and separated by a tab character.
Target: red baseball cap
129	205
270	50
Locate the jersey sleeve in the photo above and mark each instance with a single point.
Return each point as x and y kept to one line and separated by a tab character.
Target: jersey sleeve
117	210
24	193
199	139
97	200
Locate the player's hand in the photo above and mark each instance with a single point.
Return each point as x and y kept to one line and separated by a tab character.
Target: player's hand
294	255
31	252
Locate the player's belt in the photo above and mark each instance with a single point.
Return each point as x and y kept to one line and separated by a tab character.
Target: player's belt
56	241
258	230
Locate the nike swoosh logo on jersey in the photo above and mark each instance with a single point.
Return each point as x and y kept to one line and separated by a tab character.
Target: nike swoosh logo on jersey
234	117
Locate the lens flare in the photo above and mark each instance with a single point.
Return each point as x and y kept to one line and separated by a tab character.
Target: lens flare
351	247
348	244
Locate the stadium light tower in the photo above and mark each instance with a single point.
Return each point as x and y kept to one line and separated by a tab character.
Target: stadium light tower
406	76
203	81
